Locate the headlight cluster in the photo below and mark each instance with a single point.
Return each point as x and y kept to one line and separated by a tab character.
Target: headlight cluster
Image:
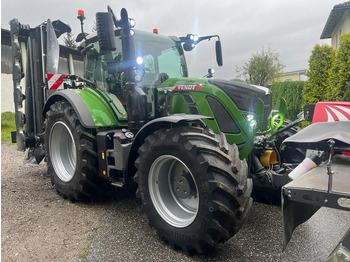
253	124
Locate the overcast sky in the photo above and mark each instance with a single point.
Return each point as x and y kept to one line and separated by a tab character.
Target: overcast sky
291	27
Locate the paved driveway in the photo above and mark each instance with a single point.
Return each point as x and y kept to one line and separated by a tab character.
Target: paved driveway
124	235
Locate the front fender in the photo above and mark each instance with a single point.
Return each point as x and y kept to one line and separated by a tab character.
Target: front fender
156	124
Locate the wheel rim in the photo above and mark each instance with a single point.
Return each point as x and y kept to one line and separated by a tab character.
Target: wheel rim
166	175
62	151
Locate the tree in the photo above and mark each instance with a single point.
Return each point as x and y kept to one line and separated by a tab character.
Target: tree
69	40
292	92
320	64
263	68
339	81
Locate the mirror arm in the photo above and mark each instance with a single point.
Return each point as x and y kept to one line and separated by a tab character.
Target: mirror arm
115	21
207	38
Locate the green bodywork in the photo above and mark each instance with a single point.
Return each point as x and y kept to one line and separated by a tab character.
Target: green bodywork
105	109
161	55
178	104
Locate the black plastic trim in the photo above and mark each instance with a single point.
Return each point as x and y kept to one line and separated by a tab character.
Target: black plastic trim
188	99
193	110
223	118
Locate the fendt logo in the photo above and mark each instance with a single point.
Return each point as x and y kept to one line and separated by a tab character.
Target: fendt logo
187	88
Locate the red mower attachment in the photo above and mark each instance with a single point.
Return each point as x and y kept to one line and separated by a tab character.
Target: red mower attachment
331	112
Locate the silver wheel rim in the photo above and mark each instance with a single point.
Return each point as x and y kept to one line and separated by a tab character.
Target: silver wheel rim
178	212
62	151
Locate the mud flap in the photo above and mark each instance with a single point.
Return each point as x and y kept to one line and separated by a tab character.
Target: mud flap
294	214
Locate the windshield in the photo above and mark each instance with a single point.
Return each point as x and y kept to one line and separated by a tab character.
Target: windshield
160	55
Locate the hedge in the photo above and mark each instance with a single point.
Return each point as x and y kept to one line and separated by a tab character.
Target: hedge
292	92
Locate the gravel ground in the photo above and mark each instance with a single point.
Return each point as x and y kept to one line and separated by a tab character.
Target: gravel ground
124	235
38	225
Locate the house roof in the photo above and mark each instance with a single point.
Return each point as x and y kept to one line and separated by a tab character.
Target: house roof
334	18
303	71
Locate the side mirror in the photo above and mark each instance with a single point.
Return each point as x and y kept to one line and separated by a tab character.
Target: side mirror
218	53
105	31
190	41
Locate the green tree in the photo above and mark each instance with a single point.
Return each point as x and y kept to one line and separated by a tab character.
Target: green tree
320	64
263	68
339	81
69	40
291	91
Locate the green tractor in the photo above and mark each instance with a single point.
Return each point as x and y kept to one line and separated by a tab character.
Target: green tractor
135	116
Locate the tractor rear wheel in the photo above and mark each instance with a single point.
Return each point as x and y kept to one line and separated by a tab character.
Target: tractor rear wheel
71	154
193	186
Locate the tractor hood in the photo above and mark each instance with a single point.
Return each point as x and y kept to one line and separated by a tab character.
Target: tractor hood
244	95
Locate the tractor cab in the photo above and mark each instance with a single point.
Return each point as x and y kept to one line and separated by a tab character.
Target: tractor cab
130	64
157	59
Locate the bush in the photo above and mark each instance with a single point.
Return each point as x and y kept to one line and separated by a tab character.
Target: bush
320	64
339	81
292	92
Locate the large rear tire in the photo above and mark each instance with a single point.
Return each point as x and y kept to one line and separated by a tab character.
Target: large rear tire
194	188
71	154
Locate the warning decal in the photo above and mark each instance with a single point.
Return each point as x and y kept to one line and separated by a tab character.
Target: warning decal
54	81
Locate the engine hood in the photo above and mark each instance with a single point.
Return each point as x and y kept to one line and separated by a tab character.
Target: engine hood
244	95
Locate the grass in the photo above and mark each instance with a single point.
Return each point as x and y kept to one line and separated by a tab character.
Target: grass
7	125
83	254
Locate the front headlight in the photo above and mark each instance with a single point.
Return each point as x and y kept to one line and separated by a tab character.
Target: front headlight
251	121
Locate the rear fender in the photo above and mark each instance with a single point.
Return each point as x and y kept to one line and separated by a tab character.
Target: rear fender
76	102
91	108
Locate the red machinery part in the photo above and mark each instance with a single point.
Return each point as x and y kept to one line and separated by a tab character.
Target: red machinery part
331	112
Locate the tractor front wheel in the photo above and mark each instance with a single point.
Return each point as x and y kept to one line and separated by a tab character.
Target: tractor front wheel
194	188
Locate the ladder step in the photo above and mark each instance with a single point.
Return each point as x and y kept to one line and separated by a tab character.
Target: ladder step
117	184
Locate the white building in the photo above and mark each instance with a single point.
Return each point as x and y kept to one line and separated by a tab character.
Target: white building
338	23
